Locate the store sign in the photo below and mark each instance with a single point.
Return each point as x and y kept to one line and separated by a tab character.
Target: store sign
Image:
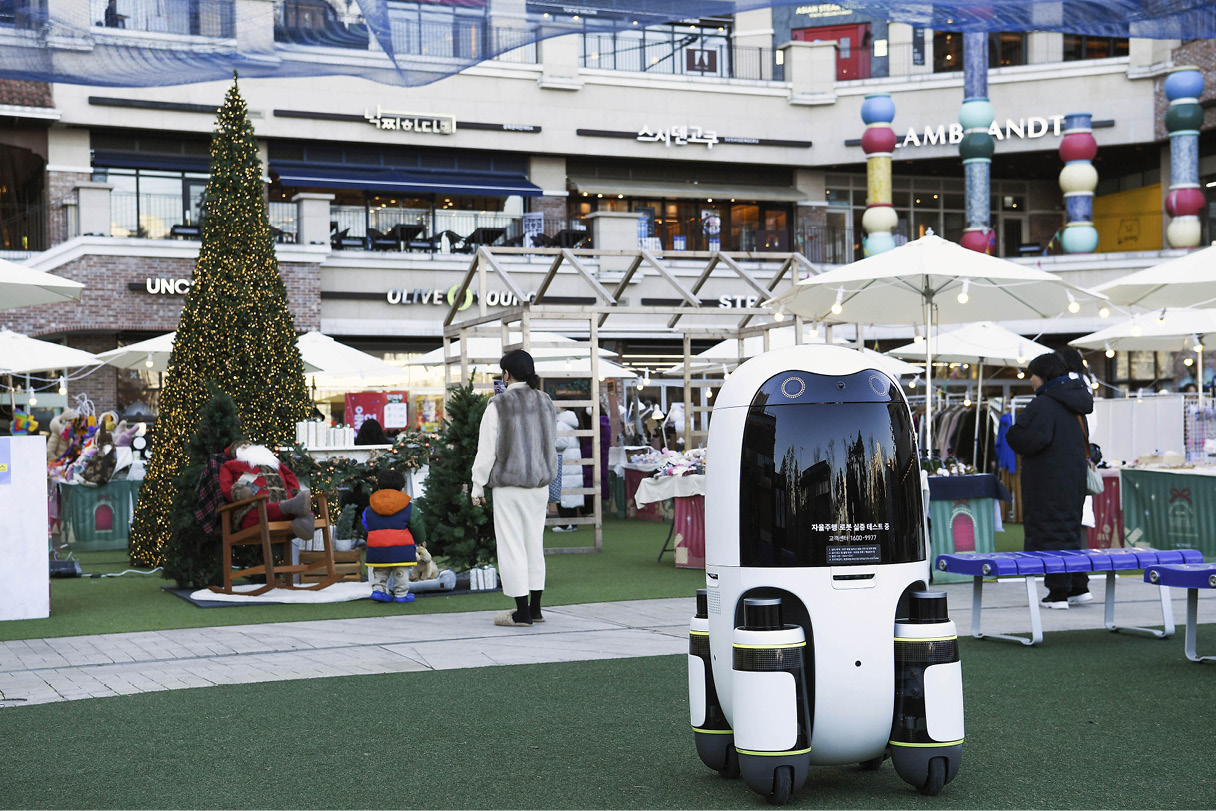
411	122
166	287
700	60
1033	127
823	10
442	298
733	302
679	135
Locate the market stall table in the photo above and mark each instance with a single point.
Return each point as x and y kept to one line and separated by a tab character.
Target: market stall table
98	517
635	473
965	515
688	521
1170	508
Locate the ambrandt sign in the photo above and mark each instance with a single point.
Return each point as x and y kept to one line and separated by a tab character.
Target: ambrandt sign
1033	127
437	296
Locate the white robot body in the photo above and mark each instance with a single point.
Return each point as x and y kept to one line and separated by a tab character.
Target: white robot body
816	545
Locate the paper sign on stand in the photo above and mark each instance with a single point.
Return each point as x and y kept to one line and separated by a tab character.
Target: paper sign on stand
25	576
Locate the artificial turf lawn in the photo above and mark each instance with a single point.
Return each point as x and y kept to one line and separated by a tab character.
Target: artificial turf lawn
1089	720
626	569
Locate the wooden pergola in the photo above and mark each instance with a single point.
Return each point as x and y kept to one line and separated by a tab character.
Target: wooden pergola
597	310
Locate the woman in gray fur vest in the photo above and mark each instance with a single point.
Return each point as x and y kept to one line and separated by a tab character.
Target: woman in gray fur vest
515	457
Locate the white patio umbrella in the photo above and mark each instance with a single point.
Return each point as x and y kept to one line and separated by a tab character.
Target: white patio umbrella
20	354
322	355
22	287
931	281
1164	330
152	355
726	354
1184	281
543	345
978	343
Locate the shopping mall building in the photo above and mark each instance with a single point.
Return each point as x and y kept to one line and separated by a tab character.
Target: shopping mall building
733	134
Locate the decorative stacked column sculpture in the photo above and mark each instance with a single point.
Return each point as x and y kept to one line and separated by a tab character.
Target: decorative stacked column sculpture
977	146
1078	179
878	142
1183	118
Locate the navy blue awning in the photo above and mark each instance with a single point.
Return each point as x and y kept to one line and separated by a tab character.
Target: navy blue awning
397	180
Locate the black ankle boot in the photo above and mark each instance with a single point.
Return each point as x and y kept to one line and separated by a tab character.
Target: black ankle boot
521	611
534	607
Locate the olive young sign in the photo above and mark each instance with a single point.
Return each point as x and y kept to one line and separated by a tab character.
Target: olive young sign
437	296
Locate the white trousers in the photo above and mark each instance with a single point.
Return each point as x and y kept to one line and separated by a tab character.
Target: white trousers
519	528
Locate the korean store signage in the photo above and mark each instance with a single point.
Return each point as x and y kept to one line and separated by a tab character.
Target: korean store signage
411	122
679	136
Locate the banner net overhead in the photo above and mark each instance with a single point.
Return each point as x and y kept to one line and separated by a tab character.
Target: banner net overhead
135	43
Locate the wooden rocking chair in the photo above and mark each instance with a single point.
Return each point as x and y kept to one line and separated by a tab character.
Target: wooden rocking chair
267	534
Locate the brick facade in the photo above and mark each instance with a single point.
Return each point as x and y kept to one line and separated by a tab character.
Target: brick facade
554	209
109	307
60	193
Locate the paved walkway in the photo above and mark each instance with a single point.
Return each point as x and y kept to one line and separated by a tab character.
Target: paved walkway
36	671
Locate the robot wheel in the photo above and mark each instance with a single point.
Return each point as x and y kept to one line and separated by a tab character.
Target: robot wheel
783	785
935	779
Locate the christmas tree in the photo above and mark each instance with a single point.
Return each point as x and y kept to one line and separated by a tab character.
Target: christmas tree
192	554
461	533
235	330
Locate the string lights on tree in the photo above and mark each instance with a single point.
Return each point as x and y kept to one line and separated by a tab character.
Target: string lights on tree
235	329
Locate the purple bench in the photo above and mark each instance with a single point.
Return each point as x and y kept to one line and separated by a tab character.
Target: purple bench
1192	577
1030	565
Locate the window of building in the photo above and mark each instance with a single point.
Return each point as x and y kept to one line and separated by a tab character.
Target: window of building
150	203
689	48
1141	369
1080	46
1005	49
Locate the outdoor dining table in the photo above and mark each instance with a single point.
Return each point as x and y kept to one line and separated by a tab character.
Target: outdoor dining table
688	514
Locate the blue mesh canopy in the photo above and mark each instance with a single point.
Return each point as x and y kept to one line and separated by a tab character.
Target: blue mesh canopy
162	42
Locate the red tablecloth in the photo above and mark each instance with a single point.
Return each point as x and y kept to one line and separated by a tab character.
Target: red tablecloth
689	529
1108	514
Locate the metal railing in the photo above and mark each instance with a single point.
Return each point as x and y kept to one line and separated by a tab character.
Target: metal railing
23	228
146	216
676	58
204	18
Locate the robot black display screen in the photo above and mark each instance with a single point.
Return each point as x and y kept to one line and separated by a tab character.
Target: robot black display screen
829	483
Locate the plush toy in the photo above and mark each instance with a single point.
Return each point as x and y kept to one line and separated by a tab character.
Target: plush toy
254	469
23	423
58	442
426	568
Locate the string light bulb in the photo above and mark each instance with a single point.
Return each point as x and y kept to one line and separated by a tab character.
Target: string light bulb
1110	353
148	361
1104	311
33	401
1021	354
1196	344
779	315
815	329
1021	375
963	298
1073	306
63	385
838	304
967	401
1137	330
912	383
1188	361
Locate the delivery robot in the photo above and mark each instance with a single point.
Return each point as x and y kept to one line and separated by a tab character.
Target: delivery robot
816	640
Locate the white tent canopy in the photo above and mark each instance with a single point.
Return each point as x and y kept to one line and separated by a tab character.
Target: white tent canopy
1164	331
543	346
726	354
20	354
1184	281
23	287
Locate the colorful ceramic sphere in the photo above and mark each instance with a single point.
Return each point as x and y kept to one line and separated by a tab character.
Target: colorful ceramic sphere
976	146
976	240
878	242
1183	232
1079	237
878	139
1184	202
878	108
1187	116
1078	146
879	218
1184	83
1078	176
977	113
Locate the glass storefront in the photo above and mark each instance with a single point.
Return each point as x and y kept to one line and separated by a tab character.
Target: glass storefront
711	224
153	204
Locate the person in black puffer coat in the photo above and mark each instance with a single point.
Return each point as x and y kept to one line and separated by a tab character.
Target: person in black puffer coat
1049	435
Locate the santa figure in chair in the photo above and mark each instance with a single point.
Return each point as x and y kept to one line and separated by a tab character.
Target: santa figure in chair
254	469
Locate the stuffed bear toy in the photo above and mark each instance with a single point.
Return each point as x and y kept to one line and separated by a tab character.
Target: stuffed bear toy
57	443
